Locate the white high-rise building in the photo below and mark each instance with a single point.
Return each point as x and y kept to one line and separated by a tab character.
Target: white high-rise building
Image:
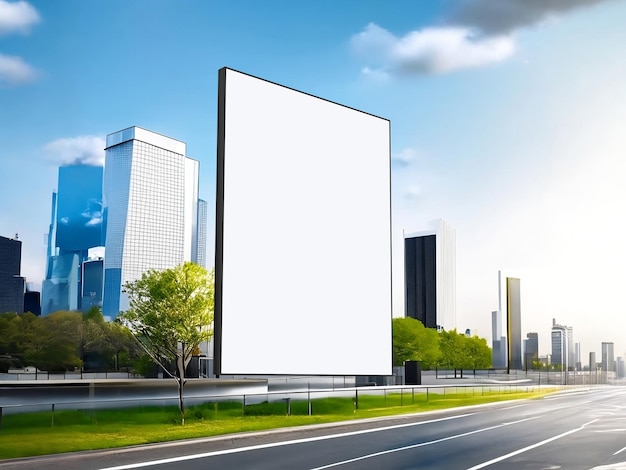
151	201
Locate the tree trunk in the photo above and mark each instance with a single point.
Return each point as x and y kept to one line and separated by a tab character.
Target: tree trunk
180	363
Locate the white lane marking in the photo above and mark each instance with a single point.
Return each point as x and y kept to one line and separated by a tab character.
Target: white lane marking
615	466
278	444
565	394
421	444
525	449
511	407
620	451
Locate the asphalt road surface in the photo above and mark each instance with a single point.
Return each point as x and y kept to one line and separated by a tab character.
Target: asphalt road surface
580	429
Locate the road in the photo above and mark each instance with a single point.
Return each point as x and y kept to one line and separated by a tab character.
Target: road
581	429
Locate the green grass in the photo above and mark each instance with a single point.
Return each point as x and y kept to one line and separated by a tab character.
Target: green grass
40	433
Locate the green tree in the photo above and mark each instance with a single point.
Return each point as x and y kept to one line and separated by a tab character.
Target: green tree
105	342
171	313
412	341
53	342
11	335
477	353
452	350
462	352
119	344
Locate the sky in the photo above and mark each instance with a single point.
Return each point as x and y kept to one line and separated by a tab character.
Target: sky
507	121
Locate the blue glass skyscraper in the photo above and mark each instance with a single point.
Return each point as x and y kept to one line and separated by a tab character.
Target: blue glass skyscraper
77	225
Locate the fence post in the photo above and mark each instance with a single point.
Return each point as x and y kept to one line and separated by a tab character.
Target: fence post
52	423
356	401
309	399
0	417
243	405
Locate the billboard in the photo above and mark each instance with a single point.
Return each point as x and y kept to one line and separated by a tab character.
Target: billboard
303	235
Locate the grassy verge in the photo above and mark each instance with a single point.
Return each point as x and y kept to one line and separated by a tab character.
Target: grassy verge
41	433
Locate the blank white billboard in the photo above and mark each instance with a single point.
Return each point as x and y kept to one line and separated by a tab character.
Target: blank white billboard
303	237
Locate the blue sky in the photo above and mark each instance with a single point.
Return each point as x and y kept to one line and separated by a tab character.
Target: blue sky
507	121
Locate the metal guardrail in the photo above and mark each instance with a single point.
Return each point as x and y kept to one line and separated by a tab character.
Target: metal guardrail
288	396
44	375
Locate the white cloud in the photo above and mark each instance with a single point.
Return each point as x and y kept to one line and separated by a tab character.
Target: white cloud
413	192
375	74
14	71
496	17
373	42
430	50
93	213
87	149
96	220
17	17
442	50
403	158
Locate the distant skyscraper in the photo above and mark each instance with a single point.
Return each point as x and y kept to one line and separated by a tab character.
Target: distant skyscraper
593	365
498	350
562	346
571	348
77	225
620	369
202	227
151	203
513	313
430	276
32	302
92	274
531	350
11	282
608	357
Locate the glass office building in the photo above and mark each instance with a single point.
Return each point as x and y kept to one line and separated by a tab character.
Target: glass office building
151	207
11	282
77	225
562	345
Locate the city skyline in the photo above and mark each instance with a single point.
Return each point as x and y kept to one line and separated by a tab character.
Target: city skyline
507	126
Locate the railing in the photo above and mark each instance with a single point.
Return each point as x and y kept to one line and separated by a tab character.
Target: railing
71	375
537	376
397	395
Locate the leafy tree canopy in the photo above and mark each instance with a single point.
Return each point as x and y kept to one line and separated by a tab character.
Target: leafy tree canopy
412	341
171	313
